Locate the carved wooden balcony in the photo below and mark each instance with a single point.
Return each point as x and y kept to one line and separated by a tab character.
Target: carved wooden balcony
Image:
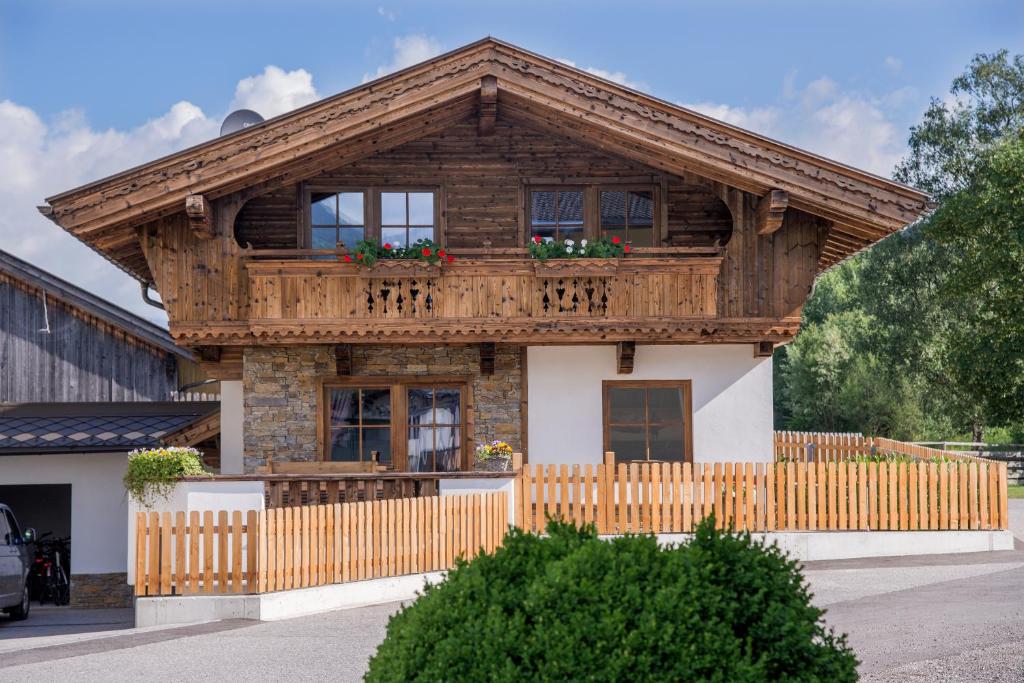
501	298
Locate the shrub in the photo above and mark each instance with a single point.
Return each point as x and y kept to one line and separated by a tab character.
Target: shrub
153	472
572	607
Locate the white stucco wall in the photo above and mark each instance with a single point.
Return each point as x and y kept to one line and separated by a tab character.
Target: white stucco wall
732	399
99	506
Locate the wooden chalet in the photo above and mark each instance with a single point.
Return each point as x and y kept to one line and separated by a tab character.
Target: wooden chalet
663	354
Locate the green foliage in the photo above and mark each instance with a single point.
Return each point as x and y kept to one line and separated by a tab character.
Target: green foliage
570	607
153	472
368	252
603	247
919	337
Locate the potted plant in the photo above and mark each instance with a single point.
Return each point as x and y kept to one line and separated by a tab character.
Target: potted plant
495	456
600	256
153	472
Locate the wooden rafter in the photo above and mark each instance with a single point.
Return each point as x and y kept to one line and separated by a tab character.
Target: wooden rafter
200	216
488	105
764	349
625	351
487	352
770	211
343	359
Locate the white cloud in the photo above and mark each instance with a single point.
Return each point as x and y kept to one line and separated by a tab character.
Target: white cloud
408	50
893	63
613	76
386	13
820	117
275	91
39	158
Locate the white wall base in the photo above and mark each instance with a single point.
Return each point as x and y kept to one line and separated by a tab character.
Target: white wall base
846	545
281	604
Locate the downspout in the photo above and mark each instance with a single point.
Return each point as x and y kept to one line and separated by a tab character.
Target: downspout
147	298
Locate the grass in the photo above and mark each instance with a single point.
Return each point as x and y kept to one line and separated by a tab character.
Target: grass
1016	490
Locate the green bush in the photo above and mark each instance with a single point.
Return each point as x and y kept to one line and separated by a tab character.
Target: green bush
571	607
153	472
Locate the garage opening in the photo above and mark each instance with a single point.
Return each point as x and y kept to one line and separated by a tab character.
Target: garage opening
43	507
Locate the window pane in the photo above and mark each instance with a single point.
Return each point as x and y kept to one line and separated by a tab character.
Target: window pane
393	236
627	443
324	238
421	405
665	404
324	209
345	445
446	406
344	409
546	233
641	208
350	237
570	207
392	208
616	232
377	439
570	232
421	208
420	449
667	442
376	406
542	208
448	453
420	234
350	208
625	405
641	237
613	209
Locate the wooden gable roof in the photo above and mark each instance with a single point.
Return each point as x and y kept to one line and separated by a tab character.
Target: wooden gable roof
480	77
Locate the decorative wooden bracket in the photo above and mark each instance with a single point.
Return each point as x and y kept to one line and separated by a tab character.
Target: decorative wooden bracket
487	358
764	349
208	354
200	216
343	359
770	210
624	352
488	105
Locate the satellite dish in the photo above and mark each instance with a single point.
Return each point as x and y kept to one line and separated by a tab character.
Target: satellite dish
237	120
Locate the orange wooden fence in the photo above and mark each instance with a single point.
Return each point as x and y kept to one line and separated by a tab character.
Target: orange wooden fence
836	447
314	545
796	496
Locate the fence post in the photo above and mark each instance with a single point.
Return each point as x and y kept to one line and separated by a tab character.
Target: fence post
809	448
517	462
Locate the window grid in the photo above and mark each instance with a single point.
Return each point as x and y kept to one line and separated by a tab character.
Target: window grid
646	424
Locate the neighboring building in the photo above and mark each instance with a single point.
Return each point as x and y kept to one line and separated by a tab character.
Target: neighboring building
663	354
82	382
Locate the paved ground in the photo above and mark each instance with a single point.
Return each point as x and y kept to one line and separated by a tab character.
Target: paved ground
941	618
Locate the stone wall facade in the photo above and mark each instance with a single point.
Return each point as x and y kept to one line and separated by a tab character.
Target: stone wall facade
281	388
100	591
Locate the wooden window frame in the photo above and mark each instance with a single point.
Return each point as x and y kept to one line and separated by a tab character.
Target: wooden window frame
592	189
399	411
407	189
371	207
685	385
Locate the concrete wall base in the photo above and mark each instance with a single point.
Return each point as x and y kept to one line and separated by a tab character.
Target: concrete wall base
281	604
845	545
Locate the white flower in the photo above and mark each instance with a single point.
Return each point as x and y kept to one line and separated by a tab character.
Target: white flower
583	243
568	250
569	243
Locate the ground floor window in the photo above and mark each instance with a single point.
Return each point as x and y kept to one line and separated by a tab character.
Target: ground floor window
648	420
414	425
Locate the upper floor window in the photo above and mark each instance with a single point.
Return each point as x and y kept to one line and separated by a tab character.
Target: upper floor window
556	214
406	217
628	215
337	217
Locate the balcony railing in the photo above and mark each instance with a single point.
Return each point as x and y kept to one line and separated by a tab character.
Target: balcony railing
476	292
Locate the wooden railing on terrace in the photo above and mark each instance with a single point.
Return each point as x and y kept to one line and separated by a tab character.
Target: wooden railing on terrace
788	496
316	545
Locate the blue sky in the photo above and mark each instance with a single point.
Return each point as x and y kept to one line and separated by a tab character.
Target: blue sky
90	88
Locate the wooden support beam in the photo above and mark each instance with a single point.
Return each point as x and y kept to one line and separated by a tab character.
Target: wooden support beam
343	359
770	211
487	358
624	353
488	105
200	216
208	354
764	349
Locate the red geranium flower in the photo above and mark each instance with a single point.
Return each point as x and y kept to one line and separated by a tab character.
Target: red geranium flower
536	239
615	240
626	249
387	245
348	259
440	252
426	251
359	256
451	259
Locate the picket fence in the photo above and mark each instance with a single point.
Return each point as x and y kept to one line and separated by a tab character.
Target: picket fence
839	446
312	545
791	496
